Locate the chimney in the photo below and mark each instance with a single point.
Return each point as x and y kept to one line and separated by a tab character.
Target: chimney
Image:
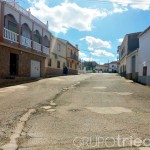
47	24
77	46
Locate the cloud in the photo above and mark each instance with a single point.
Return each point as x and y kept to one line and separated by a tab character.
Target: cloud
88	59
120	40
99	53
119	10
142	4
65	16
95	43
82	55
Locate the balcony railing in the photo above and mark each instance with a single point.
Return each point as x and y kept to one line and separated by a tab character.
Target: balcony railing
37	46
25	42
46	50
11	36
74	56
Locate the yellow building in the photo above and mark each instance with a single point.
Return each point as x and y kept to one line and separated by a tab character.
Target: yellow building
56	61
72	57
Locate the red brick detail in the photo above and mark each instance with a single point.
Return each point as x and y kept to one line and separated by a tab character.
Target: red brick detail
24	63
53	72
73	72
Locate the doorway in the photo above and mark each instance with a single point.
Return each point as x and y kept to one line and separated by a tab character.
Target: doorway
13	64
133	67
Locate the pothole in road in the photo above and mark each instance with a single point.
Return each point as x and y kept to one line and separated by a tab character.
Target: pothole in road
51	110
100	87
52	103
109	110
46	107
74	110
65	89
144	148
124	93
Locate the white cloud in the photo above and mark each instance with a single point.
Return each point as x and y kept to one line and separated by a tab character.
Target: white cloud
82	55
118	9
99	53
142	4
120	40
96	43
88	59
66	15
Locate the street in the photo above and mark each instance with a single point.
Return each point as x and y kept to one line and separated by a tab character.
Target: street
90	111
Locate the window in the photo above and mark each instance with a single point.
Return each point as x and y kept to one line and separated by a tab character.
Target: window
12	26
75	66
37	37
49	62
145	71
67	63
64	65
25	31
70	64
58	47
58	64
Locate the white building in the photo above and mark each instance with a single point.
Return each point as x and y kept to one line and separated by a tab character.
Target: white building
132	65
113	66
128	56
144	57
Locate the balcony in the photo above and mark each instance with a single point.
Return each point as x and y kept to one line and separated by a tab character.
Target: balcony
75	57
25	42
46	50
37	46
11	36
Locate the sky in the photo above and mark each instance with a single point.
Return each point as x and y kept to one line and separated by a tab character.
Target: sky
97	26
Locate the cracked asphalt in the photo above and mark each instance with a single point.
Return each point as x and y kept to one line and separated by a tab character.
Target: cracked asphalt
78	112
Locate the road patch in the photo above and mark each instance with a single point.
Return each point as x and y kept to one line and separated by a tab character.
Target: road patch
109	110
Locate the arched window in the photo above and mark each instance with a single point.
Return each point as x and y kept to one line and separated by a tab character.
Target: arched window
37	37
25	31
10	23
46	41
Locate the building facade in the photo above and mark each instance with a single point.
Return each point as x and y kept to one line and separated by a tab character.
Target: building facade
24	42
132	65
102	68
144	57
72	57
125	50
56	61
113	67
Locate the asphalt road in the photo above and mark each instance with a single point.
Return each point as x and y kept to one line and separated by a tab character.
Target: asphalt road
92	111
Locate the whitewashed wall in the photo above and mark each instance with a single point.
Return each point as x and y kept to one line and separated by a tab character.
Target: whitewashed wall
129	62
144	53
9	10
27	21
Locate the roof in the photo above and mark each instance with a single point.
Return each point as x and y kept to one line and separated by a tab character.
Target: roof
144	31
130	34
133	33
114	62
65	41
